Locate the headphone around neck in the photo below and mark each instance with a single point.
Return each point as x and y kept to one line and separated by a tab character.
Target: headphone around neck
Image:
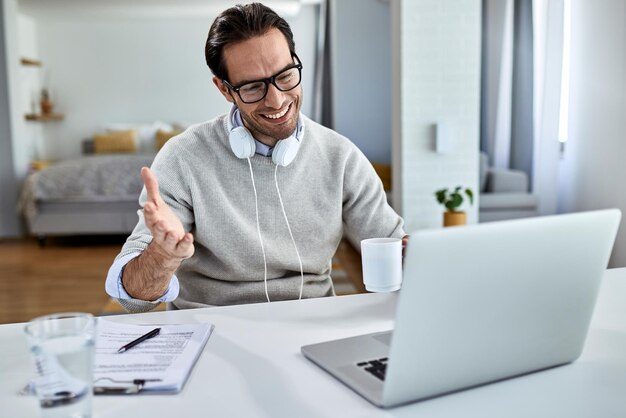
243	145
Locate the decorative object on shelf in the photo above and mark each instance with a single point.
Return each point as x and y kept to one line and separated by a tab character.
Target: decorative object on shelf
452	200
47	106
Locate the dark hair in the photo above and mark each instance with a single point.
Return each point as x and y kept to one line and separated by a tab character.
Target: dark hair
237	24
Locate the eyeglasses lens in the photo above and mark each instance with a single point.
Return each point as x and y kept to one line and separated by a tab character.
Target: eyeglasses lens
284	81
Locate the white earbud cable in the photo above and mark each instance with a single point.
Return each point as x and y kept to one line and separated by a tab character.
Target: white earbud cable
258	228
290	234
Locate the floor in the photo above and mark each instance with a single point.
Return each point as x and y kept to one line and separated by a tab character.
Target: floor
68	274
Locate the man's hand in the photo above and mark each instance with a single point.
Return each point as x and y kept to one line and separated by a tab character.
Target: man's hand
147	277
168	235
405	242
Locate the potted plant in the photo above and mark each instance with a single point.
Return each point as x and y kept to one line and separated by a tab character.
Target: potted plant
45	102
452	200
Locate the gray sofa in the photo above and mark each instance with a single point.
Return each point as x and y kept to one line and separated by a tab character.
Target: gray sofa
504	194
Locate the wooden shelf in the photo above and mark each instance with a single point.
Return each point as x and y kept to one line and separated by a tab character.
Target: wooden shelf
30	61
44	118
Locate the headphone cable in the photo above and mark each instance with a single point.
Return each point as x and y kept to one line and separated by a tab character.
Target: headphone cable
258	228
290	234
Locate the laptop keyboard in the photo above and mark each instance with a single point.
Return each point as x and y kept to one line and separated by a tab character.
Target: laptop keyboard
375	367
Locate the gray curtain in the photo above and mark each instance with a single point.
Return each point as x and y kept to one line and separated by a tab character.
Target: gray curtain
521	138
322	97
485	143
522	126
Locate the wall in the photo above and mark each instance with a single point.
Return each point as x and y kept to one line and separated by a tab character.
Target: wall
31	143
361	43
592	172
7	178
9	122
104	69
436	79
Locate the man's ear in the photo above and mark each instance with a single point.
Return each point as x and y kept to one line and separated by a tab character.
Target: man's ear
223	89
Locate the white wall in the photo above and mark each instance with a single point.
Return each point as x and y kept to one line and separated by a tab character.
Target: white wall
32	142
436	79
593	171
134	69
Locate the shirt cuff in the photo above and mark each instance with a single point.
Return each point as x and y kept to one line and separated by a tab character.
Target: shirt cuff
115	289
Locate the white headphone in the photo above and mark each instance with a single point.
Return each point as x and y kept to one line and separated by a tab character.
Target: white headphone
243	145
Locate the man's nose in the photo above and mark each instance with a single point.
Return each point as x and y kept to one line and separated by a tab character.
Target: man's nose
274	97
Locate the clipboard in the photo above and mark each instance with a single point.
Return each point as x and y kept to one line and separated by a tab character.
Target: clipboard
143	369
108	386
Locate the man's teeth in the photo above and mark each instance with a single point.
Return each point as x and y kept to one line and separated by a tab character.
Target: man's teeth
278	115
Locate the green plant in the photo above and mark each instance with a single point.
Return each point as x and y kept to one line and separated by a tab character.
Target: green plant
453	199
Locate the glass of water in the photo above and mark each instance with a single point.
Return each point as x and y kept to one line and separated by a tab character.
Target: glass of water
62	350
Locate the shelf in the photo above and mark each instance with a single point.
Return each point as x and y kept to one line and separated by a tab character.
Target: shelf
44	118
30	61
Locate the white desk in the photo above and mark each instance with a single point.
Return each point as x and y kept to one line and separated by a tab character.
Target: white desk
252	367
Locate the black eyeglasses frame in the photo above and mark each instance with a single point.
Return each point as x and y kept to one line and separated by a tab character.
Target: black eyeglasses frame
268	81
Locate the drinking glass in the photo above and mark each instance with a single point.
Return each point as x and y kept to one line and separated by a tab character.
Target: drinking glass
62	349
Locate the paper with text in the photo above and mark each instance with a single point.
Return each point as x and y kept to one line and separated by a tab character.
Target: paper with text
164	361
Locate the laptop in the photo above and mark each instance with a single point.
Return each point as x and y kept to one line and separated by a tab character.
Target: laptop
479	304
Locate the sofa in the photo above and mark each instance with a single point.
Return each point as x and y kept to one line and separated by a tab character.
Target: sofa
504	194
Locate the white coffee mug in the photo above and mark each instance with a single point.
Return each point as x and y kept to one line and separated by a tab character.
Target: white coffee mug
382	264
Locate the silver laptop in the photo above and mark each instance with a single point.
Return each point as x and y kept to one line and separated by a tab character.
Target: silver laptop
479	304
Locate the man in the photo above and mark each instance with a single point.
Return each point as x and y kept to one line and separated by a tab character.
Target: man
250	206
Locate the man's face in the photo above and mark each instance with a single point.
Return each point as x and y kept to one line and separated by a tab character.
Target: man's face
275	117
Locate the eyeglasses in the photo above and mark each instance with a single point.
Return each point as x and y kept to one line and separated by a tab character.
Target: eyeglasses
254	91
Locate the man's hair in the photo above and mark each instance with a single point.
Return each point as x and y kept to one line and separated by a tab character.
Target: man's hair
238	24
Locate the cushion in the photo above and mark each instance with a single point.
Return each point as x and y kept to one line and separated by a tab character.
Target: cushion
161	137
506	181
115	142
508	201
145	132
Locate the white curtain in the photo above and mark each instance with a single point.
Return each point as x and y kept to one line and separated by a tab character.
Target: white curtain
521	77
548	17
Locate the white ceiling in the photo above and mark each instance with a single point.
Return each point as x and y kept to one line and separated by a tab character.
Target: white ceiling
146	8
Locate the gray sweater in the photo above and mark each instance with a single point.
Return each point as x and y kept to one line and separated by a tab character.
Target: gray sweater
330	189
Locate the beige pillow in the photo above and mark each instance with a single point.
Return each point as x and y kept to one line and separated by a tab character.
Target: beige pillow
115	142
161	137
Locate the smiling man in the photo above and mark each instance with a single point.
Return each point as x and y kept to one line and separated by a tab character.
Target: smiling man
250	206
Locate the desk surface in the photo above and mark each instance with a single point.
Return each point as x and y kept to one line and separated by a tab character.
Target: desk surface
252	367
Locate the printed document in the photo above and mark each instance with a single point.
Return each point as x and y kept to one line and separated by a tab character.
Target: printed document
161	363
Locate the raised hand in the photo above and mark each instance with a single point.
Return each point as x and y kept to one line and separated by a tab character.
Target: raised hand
167	230
147	277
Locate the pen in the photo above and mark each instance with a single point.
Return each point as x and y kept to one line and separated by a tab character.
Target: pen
133	343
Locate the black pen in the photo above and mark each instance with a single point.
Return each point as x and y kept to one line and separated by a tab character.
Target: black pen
133	343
